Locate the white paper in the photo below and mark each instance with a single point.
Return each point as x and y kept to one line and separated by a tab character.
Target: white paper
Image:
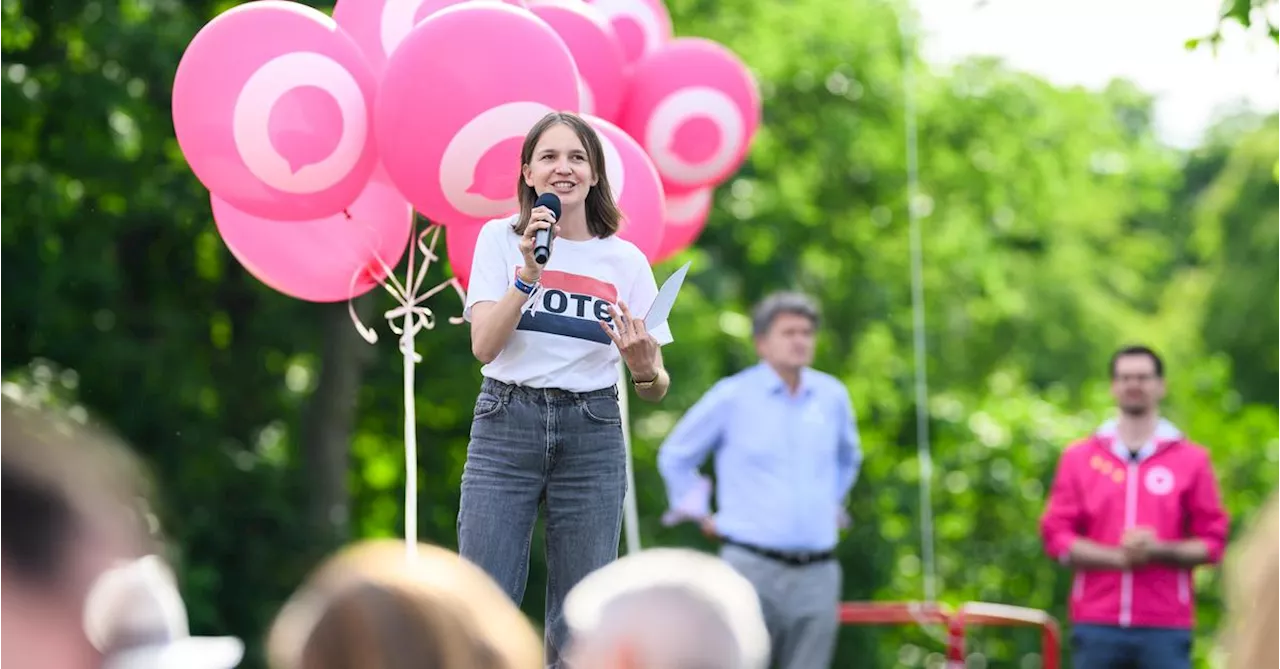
666	298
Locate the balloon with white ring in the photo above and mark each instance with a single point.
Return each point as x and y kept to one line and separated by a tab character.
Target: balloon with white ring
636	187
596	50
453	111
612	158
264	89
466	188
587	99
642	26
272	108
686	216
379	26
695	108
329	259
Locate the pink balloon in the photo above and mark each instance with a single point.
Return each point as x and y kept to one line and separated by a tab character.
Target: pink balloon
458	97
641	25
460	246
379	26
686	216
595	48
636	187
272	107
316	260
694	107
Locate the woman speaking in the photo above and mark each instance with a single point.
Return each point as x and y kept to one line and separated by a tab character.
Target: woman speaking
547	428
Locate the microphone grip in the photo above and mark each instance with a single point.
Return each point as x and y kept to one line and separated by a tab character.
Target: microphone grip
541	246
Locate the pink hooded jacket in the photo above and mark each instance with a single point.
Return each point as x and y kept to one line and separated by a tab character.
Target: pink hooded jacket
1100	490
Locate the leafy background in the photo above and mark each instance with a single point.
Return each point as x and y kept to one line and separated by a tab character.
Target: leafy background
1057	227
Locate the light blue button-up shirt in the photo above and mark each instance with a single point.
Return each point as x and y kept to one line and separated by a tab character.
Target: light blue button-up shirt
784	462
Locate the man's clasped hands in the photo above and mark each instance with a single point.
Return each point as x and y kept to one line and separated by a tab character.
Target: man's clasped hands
1141	546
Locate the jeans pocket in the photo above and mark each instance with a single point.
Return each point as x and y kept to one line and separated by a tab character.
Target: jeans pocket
487	405
602	410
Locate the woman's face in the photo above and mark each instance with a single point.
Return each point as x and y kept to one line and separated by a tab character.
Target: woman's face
560	165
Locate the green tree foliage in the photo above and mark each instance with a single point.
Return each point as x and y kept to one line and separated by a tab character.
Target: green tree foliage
1056	227
1234	240
1243	13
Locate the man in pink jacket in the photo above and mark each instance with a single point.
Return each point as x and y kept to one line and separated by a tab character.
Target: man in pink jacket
1133	509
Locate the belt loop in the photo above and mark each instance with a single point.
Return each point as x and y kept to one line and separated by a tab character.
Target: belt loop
507	389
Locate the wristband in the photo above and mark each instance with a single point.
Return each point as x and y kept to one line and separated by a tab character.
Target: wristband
526	288
645	385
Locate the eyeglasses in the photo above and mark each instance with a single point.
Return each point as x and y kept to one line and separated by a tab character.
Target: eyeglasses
1125	378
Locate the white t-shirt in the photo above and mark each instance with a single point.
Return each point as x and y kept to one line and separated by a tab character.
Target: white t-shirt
558	342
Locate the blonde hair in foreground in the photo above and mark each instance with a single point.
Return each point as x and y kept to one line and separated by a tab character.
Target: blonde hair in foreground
371	607
1252	580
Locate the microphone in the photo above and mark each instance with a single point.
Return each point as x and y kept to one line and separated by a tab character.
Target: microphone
542	238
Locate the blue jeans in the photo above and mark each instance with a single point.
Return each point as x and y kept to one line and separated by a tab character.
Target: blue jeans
1111	647
534	447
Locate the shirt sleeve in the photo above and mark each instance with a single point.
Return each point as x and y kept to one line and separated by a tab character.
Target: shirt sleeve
686	448
490	273
1060	524
1208	521
644	290
849	447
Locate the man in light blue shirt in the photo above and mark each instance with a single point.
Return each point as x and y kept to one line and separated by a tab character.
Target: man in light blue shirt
786	450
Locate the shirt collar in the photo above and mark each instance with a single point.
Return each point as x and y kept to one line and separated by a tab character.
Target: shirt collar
1165	433
777	385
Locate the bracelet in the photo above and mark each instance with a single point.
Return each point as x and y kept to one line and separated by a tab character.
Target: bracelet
526	288
644	385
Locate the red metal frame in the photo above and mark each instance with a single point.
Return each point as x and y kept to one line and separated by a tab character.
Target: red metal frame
970	613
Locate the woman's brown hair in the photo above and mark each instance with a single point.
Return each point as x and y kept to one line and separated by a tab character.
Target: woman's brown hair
373	607
67	483
603	216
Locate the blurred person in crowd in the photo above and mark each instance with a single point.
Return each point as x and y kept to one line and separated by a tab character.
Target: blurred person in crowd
372	606
787	454
666	608
135	611
1134	508
74	511
547	429
1252	593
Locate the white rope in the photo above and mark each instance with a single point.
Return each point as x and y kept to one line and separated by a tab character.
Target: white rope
413	315
924	454
630	510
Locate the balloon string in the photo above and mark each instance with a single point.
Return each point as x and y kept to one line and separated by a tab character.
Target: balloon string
406	320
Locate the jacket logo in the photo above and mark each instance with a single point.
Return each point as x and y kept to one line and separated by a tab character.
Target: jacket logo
1158	481
1106	468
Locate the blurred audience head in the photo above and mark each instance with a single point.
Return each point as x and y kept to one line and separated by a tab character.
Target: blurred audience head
666	608
136	613
73	507
373	607
1252	589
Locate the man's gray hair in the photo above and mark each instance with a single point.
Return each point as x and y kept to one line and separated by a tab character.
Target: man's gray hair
685	607
673	627
782	303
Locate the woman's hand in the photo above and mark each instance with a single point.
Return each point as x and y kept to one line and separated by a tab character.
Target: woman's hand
638	348
540	218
